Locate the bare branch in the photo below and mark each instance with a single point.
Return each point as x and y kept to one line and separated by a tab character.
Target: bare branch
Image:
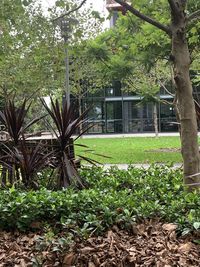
144	17
71	11
165	88
163	101
195	15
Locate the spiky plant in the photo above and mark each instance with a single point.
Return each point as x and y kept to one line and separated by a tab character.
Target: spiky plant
67	124
14	119
30	161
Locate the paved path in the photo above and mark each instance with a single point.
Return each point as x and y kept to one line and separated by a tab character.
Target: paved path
52	136
125	166
129	135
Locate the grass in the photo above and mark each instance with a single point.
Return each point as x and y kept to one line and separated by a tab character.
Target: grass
132	150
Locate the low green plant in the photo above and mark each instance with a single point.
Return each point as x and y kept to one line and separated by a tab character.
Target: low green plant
114	197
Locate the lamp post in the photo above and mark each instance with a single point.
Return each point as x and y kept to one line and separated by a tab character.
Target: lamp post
66	29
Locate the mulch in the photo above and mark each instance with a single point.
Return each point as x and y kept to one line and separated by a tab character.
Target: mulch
150	243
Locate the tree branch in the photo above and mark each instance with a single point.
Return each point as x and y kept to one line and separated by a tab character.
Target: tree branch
71	11
137	13
195	15
173	6
165	88
163	101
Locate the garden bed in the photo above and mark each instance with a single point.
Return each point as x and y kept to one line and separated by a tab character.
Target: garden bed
149	243
111	222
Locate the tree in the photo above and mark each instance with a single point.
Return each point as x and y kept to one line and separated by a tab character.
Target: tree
26	59
32	50
142	70
181	19
148	84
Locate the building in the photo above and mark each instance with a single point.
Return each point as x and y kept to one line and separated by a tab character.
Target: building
115	111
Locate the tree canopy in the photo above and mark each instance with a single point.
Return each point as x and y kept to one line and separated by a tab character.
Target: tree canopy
32	48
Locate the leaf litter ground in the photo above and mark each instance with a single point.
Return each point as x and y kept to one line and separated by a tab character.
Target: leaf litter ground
150	243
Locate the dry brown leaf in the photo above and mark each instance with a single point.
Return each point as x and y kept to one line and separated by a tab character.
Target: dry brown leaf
110	234
36	225
68	259
14	246
152	246
141	229
87	249
2	256
23	263
185	247
169	227
25	239
91	264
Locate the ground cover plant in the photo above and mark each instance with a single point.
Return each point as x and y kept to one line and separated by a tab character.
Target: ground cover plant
150	204
134	149
115	197
115	207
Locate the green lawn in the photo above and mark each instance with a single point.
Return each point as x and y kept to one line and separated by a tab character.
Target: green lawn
132	150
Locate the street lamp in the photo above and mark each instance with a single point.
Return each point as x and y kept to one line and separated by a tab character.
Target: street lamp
66	29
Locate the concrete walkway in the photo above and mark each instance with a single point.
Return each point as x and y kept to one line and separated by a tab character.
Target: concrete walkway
125	166
129	135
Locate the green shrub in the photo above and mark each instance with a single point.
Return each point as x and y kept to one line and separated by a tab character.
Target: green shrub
114	197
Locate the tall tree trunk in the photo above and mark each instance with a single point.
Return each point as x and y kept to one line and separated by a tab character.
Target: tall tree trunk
189	133
155	119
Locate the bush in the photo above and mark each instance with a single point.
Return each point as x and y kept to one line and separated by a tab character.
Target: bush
114	197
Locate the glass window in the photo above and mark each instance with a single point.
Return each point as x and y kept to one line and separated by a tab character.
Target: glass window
148	110
95	115
132	109
96	92
96	109
117	88
167	111
129	93
114	90
167	118
132	116
114	117
109	91
114	110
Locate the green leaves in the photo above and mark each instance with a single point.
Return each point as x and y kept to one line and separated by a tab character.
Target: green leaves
60	3
26	2
196	225
114	197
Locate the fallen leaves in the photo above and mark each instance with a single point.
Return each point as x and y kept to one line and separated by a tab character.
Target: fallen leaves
185	247
150	244
169	227
68	260
16	249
